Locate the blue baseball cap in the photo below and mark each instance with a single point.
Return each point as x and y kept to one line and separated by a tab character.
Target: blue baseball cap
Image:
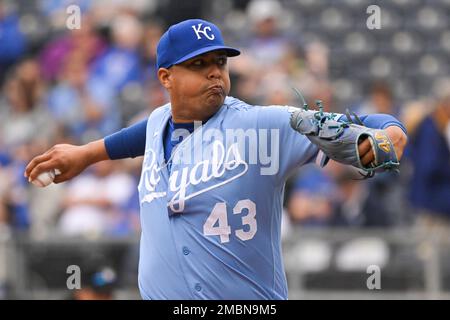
188	39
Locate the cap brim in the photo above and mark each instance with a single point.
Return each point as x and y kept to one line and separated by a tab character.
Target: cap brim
231	52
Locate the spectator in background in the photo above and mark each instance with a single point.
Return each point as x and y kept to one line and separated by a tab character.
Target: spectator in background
140	98
313	78
336	197
12	40
93	203
380	101
311	198
87	107
14	205
3	211
154	95
365	204
276	92
120	65
430	155
267	53
26	129
267	46
152	33
23	117
84	41
5	185
276	61
106	11
130	223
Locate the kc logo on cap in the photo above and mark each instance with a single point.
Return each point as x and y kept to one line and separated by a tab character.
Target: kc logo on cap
188	39
204	31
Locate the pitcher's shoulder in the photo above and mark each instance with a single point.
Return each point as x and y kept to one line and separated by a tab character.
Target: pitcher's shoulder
238	105
159	112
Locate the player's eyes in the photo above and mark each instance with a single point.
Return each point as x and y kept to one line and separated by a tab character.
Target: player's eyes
222	61
202	63
197	63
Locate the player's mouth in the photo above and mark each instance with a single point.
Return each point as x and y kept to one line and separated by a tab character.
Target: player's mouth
216	89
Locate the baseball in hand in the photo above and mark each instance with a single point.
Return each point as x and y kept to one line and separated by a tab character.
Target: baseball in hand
44	179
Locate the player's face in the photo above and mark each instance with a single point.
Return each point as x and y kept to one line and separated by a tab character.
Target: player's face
198	86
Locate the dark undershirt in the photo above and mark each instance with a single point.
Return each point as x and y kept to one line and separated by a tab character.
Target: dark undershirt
171	140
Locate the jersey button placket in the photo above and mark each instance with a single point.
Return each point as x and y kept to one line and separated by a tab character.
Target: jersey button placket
198	287
186	251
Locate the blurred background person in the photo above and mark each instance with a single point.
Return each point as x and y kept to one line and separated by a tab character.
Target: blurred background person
430	157
120	65
13	43
267	53
312	197
26	128
85	106
84	42
380	100
93	204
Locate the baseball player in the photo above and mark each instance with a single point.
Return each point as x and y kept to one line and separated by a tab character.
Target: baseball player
213	173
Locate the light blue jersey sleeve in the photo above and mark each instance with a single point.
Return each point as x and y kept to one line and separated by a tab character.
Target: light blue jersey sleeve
294	149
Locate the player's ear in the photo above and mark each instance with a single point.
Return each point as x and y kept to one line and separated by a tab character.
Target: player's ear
164	77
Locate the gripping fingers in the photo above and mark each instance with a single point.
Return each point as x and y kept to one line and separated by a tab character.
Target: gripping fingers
368	158
41	167
35	162
366	152
364	147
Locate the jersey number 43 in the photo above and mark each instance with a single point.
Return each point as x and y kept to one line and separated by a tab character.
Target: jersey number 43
217	222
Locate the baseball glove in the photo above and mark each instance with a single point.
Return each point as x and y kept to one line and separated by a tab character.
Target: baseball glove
339	140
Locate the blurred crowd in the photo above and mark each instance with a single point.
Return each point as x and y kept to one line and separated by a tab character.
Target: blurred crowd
74	86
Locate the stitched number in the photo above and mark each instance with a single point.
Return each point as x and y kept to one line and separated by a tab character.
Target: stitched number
219	217
249	219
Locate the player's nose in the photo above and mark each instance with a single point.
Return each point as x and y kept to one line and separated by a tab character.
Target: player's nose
214	71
